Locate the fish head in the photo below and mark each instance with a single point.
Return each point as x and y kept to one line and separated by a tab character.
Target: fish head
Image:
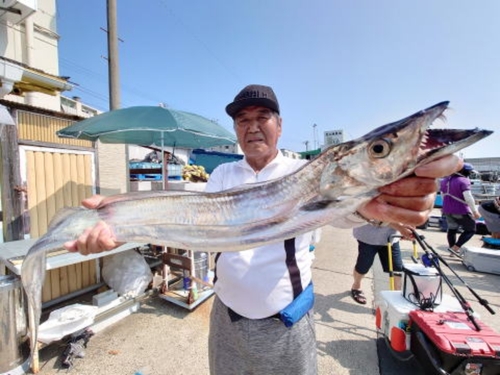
391	152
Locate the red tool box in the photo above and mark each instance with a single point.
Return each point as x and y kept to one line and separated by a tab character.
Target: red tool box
448	343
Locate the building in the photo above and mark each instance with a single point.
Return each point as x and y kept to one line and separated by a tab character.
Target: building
40	172
485	164
31	99
488	168
291	154
231	149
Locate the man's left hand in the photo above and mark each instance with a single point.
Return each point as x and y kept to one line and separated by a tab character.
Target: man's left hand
411	200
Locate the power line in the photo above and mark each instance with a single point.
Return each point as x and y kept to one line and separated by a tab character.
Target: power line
73	66
83	87
200	41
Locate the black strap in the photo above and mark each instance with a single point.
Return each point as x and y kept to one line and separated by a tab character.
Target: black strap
447	193
422	302
217	256
235	317
291	264
293	269
416	292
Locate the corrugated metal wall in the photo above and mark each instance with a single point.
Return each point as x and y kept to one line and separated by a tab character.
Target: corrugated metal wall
56	179
42	128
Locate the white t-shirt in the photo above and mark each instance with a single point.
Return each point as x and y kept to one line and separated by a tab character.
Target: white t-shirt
256	283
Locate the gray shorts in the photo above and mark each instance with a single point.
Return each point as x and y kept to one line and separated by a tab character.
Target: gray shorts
260	346
467	222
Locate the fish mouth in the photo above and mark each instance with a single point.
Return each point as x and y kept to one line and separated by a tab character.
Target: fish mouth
437	138
437	142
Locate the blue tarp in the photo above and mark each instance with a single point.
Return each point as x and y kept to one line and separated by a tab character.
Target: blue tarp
211	159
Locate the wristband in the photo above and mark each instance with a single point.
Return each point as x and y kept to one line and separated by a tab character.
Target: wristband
375	223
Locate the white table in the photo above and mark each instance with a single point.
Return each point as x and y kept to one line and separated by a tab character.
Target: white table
16	249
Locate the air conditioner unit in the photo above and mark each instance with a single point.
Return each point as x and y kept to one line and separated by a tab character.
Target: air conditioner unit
15	11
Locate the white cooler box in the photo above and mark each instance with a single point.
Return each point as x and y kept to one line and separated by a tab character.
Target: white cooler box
481	259
392	316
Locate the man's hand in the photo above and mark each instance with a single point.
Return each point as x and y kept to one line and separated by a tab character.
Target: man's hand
97	239
406	231
411	200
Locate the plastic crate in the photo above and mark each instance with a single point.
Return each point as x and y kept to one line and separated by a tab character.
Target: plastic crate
144	165
174	170
146	177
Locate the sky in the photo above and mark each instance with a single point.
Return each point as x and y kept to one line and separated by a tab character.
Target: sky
349	65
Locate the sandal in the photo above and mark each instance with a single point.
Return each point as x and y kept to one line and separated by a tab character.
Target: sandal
454	253
358	296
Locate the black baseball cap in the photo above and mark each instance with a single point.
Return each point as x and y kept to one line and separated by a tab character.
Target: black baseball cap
253	95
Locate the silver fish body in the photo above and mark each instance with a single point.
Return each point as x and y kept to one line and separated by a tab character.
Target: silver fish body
333	185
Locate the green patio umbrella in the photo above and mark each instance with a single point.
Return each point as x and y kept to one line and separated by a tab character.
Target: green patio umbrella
151	126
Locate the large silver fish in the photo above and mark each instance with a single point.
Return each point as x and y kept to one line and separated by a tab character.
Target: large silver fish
331	186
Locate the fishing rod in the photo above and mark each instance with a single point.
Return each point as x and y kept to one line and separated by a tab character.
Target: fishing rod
434	259
423	243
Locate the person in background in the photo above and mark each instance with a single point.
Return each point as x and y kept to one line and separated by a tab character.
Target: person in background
459	208
247	332
373	240
490	212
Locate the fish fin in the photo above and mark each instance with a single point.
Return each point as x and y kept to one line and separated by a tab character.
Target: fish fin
63	213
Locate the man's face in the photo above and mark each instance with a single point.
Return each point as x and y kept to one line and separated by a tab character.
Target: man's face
258	130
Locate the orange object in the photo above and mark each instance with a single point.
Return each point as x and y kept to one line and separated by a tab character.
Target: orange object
398	339
378	318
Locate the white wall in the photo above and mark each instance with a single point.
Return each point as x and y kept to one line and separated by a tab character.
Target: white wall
37	48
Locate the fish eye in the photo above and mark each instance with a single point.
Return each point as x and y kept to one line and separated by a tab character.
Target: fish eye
380	148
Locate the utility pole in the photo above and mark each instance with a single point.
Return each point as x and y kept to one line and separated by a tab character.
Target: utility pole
113	62
113	167
307	145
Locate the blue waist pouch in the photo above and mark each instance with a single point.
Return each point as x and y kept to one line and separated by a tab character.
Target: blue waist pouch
299	307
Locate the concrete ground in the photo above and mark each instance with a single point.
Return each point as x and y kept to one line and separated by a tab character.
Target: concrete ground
163	338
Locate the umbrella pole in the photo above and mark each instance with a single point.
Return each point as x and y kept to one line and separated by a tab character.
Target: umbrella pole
164	167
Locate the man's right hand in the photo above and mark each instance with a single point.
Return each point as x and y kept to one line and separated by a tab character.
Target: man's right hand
96	239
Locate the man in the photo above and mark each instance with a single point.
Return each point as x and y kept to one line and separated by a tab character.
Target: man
253	286
459	208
